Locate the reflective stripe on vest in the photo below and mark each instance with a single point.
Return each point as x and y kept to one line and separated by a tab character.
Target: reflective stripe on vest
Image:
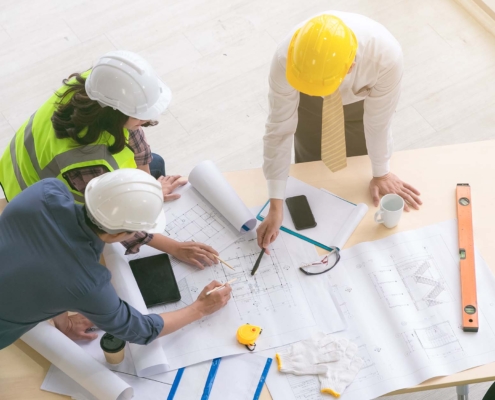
59	162
65	159
17	171
36	153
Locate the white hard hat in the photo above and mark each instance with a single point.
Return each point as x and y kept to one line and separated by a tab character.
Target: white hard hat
125	200
126	81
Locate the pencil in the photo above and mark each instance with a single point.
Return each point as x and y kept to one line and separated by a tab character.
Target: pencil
258	261
221	287
224	262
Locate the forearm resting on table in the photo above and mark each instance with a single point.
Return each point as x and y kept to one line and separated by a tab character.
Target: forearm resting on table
176	320
163	243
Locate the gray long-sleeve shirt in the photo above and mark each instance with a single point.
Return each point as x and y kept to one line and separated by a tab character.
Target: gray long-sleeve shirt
49	264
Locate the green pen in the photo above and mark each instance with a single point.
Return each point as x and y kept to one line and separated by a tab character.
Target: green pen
257	263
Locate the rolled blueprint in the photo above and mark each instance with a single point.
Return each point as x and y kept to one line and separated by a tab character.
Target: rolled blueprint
150	359
211	184
350	225
76	363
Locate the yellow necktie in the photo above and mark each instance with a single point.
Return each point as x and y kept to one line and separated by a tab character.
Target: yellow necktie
333	152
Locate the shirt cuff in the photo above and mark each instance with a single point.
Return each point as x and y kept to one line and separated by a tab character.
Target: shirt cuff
276	188
157	326
133	245
380	169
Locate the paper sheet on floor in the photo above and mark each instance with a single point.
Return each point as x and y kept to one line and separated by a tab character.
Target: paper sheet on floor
213	380
401	299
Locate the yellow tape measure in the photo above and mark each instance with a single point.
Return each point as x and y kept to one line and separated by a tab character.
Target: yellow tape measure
247	335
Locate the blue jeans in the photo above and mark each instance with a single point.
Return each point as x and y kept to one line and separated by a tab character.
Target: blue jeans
157	166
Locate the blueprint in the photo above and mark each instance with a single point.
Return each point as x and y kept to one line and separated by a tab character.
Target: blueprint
192	218
286	304
400	297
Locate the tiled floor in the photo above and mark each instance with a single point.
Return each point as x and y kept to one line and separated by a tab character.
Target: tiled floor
215	54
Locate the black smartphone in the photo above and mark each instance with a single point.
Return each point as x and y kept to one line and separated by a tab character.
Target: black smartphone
156	280
300	212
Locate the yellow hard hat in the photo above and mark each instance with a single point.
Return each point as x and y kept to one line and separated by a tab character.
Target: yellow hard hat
320	55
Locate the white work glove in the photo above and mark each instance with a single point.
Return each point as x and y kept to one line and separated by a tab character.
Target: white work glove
338	375
307	357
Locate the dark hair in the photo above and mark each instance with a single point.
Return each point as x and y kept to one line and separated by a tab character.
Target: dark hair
81	112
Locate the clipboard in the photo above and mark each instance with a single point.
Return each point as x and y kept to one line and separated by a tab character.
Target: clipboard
336	217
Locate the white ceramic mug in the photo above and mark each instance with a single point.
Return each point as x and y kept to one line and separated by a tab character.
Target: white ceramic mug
391	206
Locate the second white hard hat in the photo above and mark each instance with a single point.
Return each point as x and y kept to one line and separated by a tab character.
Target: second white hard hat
125	81
125	200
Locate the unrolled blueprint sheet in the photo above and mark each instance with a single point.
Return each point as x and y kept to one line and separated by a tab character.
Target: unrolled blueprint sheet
401	299
189	218
288	305
192	217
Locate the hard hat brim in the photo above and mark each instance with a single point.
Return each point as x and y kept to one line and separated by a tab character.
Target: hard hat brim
161	223
309	88
159	107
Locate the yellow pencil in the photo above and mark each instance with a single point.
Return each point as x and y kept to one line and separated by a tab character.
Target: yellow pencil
224	262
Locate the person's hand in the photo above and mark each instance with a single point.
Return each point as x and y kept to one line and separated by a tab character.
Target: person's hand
75	327
390	183
169	184
197	254
270	227
207	305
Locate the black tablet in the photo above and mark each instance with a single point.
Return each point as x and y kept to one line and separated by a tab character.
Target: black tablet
156	280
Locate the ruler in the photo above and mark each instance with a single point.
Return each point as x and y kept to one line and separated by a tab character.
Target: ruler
469	299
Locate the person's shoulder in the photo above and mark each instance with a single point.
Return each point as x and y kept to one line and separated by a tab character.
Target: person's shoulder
55	191
376	44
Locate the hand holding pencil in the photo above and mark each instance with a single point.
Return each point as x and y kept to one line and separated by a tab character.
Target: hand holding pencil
211	298
214	256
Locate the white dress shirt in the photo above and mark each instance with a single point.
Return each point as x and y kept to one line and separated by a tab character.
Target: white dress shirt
375	78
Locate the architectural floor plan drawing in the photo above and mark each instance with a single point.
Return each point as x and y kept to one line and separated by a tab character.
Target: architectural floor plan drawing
422	283
193	218
286	304
436	341
400	297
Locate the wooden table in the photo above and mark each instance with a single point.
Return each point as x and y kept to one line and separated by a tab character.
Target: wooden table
434	171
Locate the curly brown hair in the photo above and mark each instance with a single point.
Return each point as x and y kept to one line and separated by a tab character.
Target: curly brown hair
80	112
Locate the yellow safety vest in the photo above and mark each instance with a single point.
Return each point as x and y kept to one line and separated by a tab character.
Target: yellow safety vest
36	153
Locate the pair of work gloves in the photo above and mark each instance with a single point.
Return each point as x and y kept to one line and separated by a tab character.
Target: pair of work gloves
333	359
